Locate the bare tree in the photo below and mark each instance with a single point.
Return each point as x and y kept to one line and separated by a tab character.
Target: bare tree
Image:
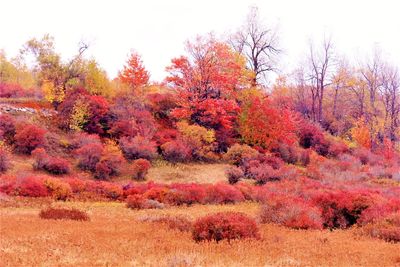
390	93
259	44
321	64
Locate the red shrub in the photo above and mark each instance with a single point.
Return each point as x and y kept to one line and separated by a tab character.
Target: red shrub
4	160
63	214
81	139
176	151
88	156
337	148
165	135
290	212
221	193
109	165
225	225
139	169
138	147
186	194
7	128
341	209
311	136
52	165
31	187
379	210
234	174
140	202
29	137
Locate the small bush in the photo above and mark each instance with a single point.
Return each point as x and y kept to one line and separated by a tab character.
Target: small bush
237	153
225	225
176	151
138	147
139	169
88	156
7	128
31	187
234	174
52	165
387	228
221	193
28	138
179	223
4	160
63	214
291	213
140	202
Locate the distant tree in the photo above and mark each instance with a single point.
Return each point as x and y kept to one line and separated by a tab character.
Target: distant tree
134	73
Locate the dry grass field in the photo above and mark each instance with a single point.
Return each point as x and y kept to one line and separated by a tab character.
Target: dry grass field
117	236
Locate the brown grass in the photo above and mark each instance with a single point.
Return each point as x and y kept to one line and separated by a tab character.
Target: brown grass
164	172
117	236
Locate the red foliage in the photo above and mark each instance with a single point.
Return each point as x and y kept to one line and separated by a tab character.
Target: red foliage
387	228
163	136
29	137
186	194
52	165
138	147
134	73
31	187
11	90
221	193
139	169
108	165
311	136
176	151
7	128
263	125
225	225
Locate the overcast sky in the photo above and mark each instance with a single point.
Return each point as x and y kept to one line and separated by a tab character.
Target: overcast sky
157	29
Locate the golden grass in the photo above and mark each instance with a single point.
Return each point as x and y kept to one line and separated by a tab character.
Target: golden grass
187	173
117	236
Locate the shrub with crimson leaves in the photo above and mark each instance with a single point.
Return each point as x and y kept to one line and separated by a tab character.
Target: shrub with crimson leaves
234	174
225	226
63	214
88	156
53	165
7	128
29	137
176	151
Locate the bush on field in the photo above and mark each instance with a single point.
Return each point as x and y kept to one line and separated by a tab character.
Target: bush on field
63	214
237	153
221	193
290	212
7	128
140	202
139	169
29	137
4	160
110	162
387	228
88	156
234	174
138	147
176	151
224	226
31	187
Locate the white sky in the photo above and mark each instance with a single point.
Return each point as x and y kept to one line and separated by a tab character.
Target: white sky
157	29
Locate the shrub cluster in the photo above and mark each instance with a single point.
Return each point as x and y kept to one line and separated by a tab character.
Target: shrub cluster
53	165
138	147
29	137
139	169
224	226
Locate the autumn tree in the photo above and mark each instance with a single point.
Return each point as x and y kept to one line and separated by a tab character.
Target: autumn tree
259	44
207	81
134	74
390	94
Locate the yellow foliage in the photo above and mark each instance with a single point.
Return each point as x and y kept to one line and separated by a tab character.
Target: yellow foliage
196	133
52	93
79	116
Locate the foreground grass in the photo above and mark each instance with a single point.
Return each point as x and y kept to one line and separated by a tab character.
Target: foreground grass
117	236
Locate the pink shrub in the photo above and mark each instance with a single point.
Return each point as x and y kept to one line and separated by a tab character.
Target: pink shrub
138	147
7	128
221	193
88	156
176	151
234	174
31	187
